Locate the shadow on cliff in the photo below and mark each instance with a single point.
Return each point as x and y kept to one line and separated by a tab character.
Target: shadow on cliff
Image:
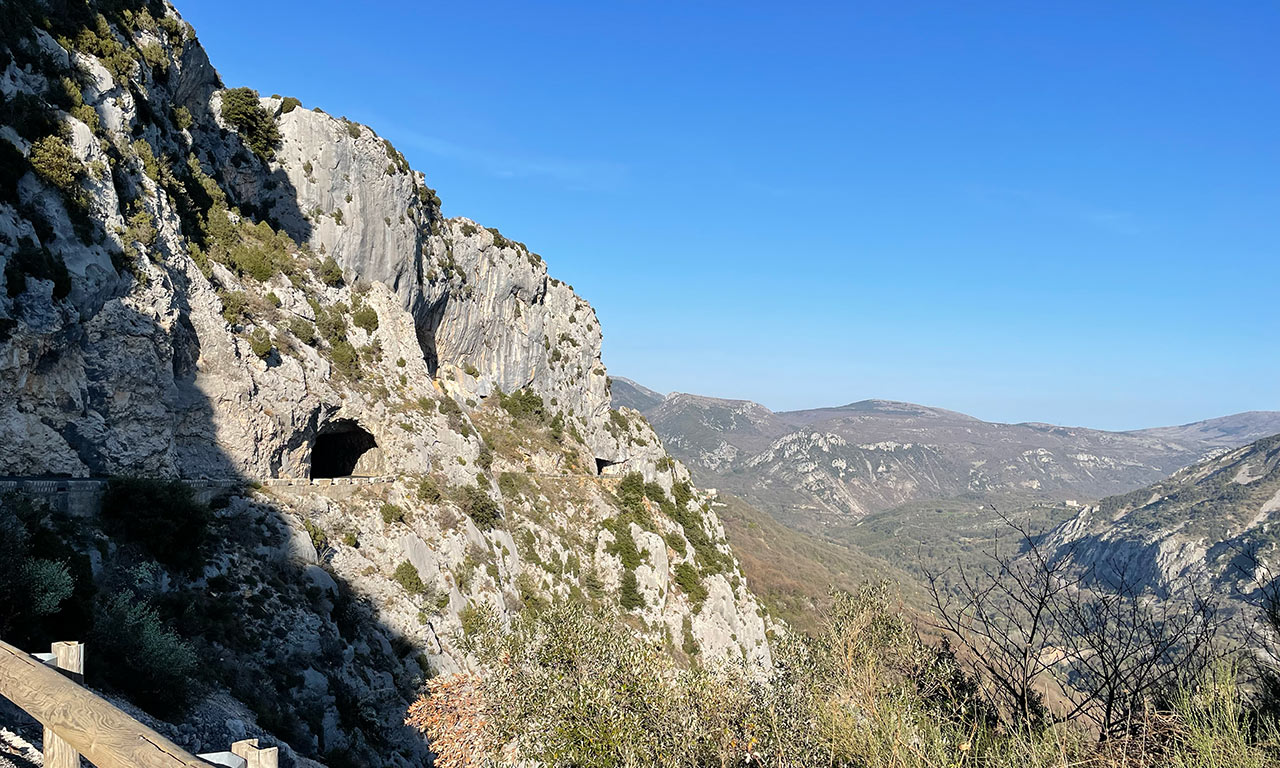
183	591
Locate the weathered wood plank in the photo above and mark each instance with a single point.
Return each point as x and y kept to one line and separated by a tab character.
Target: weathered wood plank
256	758
92	726
69	658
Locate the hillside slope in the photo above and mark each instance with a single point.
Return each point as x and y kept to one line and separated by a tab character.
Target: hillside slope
1217	521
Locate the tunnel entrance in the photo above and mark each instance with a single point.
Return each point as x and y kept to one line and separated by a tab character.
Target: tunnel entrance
343	449
603	464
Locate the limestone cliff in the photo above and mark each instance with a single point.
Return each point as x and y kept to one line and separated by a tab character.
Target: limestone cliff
202	283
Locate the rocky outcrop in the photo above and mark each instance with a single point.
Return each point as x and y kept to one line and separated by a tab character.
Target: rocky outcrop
1212	525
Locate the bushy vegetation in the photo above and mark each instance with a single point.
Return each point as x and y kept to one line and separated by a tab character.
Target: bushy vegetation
365	317
161	517
141	655
251	250
407	577
260	342
570	686
330	272
480	507
241	108
691	583
392	513
32	586
429	491
523	404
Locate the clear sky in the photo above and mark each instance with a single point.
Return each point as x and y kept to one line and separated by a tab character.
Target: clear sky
1064	212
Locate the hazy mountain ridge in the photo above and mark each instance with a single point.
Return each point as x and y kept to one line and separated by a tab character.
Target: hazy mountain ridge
873	455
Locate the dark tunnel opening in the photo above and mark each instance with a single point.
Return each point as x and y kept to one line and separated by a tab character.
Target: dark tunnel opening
339	448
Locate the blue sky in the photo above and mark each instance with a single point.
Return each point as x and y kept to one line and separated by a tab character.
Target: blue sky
1063	212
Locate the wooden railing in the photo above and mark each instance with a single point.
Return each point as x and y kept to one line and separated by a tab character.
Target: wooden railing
78	722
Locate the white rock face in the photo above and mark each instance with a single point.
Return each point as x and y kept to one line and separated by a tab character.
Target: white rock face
164	360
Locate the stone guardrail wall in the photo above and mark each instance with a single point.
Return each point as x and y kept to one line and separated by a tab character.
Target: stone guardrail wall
83	496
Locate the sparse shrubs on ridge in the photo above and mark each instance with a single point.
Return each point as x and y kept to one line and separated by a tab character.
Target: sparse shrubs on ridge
330	272
365	317
241	108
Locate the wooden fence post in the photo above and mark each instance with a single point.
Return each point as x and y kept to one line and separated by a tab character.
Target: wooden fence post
68	657
256	758
101	732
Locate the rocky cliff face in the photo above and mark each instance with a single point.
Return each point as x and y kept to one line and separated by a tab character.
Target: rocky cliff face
202	283
1216	523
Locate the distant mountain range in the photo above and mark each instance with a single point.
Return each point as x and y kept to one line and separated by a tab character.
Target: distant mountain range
854	460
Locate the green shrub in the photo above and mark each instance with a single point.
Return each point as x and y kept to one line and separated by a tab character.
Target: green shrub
480	507
510	484
260	342
182	118
141	229
407	577
629	596
470	370
523	404
241	108
28	114
289	104
319	537
688	643
682	493
691	583
624	544
474	621
137	654
428	491
631	493
304	330
154	55
332	325
30	587
235	305
52	160
392	513
162	517
345	359
330	273
365	317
